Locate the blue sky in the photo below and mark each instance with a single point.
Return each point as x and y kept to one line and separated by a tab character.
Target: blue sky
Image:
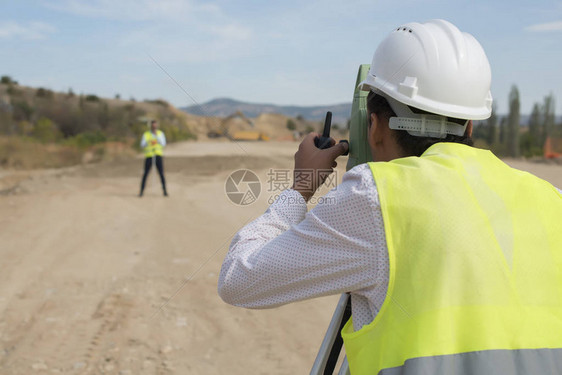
282	52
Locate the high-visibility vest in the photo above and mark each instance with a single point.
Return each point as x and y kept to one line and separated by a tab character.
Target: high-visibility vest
475	282
152	146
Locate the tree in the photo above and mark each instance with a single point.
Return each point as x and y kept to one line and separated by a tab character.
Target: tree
513	123
492	131
44	93
7	80
548	117
535	133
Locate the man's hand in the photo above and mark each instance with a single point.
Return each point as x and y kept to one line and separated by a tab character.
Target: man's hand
313	165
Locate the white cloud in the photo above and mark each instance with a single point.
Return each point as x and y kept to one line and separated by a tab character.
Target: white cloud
129	78
136	10
30	31
172	30
168	47
545	27
231	32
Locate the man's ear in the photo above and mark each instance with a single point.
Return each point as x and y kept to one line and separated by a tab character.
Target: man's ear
371	118
373	131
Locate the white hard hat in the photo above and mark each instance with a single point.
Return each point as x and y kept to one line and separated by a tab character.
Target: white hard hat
434	67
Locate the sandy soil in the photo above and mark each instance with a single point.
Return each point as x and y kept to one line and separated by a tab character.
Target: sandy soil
95	280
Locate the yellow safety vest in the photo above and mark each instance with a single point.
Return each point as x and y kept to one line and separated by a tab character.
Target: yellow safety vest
152	146
475	250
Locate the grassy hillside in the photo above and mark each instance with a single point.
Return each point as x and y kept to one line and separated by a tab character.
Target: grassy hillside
56	129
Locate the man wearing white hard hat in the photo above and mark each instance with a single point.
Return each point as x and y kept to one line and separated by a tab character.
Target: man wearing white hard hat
453	259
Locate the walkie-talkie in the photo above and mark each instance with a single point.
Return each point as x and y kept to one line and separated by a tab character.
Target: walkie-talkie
325	141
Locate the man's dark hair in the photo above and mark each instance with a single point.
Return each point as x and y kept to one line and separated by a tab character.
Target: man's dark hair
411	145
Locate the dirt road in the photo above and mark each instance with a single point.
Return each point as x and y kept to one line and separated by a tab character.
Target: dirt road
95	280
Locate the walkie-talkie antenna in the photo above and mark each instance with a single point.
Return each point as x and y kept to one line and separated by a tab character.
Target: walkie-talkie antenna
327	125
324	141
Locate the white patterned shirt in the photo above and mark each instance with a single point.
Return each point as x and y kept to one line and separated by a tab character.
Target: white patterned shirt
289	254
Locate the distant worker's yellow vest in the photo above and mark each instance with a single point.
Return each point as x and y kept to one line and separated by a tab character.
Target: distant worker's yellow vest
152	146
475	250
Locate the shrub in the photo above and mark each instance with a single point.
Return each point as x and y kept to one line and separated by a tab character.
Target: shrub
7	80
44	93
22	111
85	140
527	147
174	133
160	102
45	131
92	98
291	124
24	128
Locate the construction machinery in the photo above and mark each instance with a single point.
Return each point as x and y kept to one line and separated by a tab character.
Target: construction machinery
237	127
249	135
551	146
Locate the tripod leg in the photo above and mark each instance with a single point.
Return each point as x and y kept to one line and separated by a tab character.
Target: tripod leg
328	354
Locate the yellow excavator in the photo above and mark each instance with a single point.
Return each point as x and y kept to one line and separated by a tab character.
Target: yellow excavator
229	125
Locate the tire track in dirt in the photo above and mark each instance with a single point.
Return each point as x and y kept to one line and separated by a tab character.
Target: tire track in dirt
112	312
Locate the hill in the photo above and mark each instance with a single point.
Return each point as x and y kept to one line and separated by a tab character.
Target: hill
42	128
223	107
23	109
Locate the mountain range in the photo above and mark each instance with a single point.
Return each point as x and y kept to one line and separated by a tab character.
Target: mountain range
341	113
223	107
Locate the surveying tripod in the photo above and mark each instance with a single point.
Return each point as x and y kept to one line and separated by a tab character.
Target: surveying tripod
359	152
328	355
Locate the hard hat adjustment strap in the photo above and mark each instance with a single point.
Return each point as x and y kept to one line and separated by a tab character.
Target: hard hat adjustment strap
427	126
423	126
442	130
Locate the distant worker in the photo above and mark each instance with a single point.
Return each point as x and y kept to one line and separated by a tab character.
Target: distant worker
153	141
453	259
